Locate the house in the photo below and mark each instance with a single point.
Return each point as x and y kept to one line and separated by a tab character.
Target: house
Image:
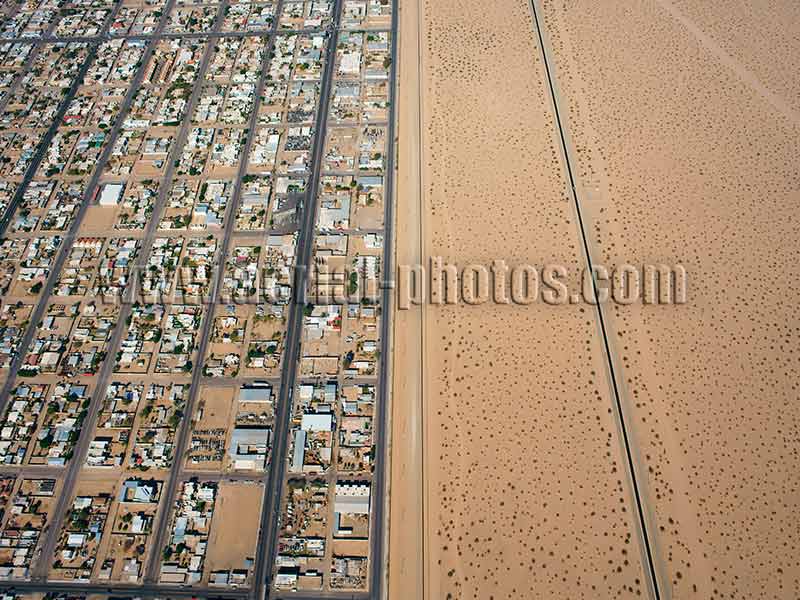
110	194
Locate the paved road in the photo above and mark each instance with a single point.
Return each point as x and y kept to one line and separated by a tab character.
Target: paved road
159	538
75	464
44	143
269	518
159	36
121	589
162	517
66	243
216	476
272	504
323	596
34	52
380	501
650	571
218	382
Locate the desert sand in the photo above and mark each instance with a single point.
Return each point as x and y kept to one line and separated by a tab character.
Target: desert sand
406	481
509	471
525	491
687	118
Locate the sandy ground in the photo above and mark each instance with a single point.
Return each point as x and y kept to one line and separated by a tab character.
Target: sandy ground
508	476
763	42
235	525
706	99
406	524
525	490
217	406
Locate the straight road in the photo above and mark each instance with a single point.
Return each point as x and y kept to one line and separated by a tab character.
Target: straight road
217	476
378	539
272	501
323	596
33	167
76	463
151	231
642	525
34	52
31	471
162	36
159	538
120	589
66	243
